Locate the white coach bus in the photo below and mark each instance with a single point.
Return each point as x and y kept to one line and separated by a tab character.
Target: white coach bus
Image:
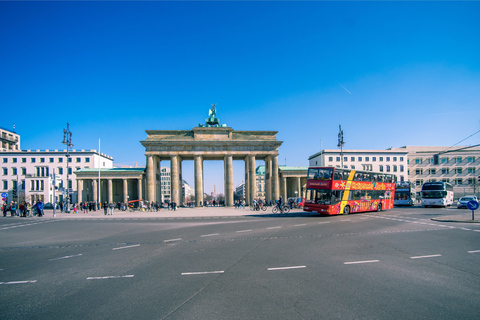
437	194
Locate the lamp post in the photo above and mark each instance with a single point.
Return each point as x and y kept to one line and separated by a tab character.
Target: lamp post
341	143
67	140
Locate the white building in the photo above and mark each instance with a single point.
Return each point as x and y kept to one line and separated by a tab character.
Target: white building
10	141
388	161
28	172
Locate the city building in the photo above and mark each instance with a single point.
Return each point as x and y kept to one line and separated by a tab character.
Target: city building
459	166
240	192
30	172
393	161
10	140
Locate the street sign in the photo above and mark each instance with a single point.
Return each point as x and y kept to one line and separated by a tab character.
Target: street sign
4	195
4	199
472	205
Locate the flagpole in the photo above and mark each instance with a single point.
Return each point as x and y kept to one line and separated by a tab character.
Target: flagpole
99	185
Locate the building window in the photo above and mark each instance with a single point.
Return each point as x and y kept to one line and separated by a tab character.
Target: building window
388	158
419	182
60	160
352	159
388	168
445	170
381	168
418	171
60	170
5	185
5	160
87	160
352	167
432	171
70	159
24	160
445	180
330	158
345	159
78	160
401	158
471	170
367	158
394	158
458	160
14	171
457	170
418	161
42	160
444	160
471	181
458	181
359	158
471	159
430	160
50	160
24	171
32	160
5	171
394	168
401	168
374	158
69	170
380	158
14	160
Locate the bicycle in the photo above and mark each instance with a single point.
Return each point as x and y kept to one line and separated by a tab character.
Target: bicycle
276	209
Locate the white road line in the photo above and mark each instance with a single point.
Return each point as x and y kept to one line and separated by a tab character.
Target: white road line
430	256
346	220
359	262
273	228
66	257
172	240
476	230
474	251
244	231
19	282
119	248
466	229
110	277
210	235
286	268
205	272
324	222
300	225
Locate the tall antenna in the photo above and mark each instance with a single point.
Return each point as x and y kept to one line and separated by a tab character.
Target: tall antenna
341	143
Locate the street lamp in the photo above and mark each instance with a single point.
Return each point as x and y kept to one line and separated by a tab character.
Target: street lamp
67	140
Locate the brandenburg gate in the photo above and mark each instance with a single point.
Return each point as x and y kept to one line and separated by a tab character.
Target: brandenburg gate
211	141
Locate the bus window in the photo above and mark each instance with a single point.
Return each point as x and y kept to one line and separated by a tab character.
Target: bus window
320	173
337	175
346	173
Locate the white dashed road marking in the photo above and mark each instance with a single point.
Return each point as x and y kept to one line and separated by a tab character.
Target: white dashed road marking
286	268
429	256
119	248
66	257
19	282
110	277
359	262
205	272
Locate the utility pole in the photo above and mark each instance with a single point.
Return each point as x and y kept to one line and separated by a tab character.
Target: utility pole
341	143
67	140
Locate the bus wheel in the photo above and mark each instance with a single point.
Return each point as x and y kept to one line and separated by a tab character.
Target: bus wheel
379	207
346	210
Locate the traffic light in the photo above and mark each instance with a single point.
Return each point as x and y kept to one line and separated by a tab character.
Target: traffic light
435	159
14	193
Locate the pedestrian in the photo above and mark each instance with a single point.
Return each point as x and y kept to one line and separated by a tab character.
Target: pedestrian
74	208
110	208
40	208
5	209
105	208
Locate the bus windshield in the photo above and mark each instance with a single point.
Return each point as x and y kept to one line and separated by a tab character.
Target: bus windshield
434	194
320	173
323	196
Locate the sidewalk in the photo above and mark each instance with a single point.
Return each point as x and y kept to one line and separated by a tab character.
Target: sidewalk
464	216
164	213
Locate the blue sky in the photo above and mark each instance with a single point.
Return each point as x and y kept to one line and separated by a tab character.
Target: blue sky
391	73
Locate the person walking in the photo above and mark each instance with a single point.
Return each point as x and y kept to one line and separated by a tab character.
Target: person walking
110	208
105	208
40	208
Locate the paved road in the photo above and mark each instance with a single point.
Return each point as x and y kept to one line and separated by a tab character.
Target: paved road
397	264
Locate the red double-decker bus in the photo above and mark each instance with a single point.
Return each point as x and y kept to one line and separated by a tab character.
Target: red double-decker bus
342	191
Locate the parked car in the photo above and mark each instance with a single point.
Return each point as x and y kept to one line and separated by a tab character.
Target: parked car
462	203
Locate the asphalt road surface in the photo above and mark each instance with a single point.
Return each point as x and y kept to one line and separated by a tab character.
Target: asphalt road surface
396	264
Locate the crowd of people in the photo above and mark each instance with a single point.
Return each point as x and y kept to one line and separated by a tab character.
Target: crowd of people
24	209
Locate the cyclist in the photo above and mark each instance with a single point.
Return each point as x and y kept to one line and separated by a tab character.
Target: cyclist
280	204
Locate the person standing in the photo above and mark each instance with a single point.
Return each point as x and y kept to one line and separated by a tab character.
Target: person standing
105	208
110	208
40	208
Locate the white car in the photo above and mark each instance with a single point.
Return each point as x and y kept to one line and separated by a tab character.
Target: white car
462	203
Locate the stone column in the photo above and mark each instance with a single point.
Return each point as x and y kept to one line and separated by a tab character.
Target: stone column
275	178
140	189
283	186
150	178
247	189
125	191
198	180
252	178
79	190
94	189
268	179
228	173
180	179
110	190
174	183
